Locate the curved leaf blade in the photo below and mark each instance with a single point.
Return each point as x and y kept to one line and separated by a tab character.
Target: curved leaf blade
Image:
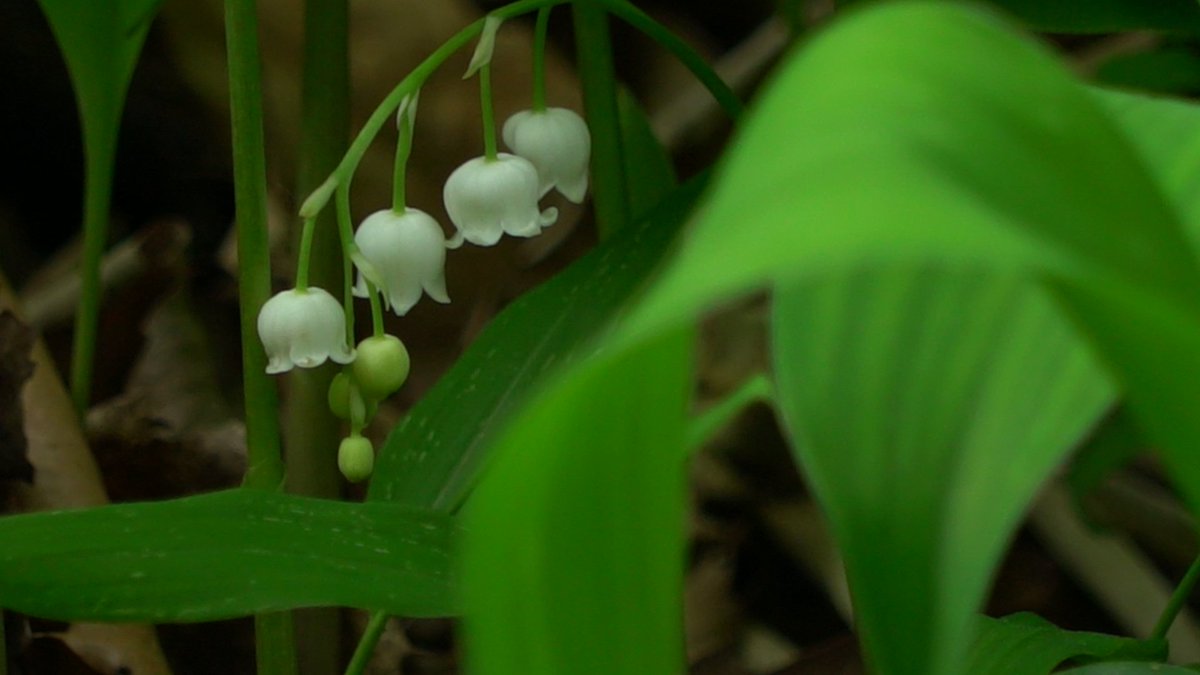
574	557
432	458
223	555
1026	644
926	405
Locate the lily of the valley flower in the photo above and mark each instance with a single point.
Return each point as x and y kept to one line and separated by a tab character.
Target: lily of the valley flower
303	328
489	197
408	251
557	143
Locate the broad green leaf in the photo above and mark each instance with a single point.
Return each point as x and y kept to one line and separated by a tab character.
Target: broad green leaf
100	42
649	174
1166	134
1104	16
871	147
920	156
1131	668
1171	69
1026	644
573	561
926	406
223	555
433	457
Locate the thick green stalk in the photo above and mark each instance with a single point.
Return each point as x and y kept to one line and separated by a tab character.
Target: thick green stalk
312	433
273	632
100	152
593	50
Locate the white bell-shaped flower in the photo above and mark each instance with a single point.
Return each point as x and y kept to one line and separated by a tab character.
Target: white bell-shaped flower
303	328
556	141
408	251
486	198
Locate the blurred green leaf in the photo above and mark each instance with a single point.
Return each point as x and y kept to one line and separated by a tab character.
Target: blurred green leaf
1166	134
1026	644
871	147
224	555
1100	16
927	405
433	457
574	559
649	173
1130	668
1173	69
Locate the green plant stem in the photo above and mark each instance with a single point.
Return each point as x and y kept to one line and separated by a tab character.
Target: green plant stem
276	650
539	59
593	50
415	79
302	262
404	134
349	251
1177	601
690	59
703	426
488	112
366	645
311	432
100	156
376	310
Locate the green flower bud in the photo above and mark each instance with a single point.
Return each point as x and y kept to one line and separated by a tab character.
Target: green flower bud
343	399
381	366
356	458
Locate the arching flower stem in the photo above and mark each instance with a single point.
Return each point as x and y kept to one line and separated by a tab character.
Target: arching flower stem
415	79
539	59
403	150
489	114
302	263
349	248
376	309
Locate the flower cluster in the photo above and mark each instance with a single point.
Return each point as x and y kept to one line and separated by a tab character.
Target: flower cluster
400	253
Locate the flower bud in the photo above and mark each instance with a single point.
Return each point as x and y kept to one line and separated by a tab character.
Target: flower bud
356	458
381	366
347	402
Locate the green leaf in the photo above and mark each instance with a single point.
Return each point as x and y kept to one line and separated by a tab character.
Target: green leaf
223	555
873	148
1170	69
1166	134
433	457
1104	16
574	557
1131	668
927	405
1026	644
919	156
649	173
100	42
